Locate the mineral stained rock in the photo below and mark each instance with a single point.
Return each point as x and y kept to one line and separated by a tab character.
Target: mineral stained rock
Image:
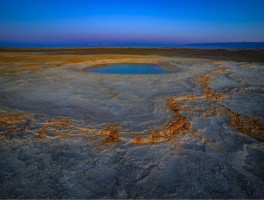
65	132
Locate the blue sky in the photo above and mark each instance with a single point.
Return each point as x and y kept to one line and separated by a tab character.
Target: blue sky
130	21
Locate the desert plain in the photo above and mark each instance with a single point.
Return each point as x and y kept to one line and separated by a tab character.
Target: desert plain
196	132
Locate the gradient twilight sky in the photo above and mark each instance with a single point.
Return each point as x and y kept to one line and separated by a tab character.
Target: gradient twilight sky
130	21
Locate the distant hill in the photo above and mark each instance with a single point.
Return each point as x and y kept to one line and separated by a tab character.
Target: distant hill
227	45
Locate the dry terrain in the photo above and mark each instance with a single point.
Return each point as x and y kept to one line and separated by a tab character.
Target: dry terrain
196	132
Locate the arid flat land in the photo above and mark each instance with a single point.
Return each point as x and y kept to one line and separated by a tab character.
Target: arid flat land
196	132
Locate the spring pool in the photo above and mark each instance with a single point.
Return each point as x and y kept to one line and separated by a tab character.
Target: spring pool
129	69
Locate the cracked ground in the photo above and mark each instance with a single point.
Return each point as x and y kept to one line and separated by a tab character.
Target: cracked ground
65	132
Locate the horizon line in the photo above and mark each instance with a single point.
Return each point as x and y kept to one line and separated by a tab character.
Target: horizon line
137	45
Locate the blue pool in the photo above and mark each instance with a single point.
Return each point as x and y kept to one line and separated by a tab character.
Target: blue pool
129	69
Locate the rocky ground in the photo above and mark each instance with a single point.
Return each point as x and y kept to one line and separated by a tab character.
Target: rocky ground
196	132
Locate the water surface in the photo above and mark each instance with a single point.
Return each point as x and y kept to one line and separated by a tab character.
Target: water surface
129	69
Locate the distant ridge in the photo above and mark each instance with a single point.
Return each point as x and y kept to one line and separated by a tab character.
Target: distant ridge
227	45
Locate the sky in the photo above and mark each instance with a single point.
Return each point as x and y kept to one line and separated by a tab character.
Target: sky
110	22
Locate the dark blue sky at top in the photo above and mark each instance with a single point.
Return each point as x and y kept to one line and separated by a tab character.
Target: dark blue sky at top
130	21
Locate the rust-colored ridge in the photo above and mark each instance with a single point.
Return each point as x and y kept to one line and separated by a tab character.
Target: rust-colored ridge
11	118
62	128
178	124
204	80
251	126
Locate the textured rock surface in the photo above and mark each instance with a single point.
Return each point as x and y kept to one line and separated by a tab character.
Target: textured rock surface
197	132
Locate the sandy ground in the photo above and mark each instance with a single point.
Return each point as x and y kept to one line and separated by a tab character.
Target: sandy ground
197	132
